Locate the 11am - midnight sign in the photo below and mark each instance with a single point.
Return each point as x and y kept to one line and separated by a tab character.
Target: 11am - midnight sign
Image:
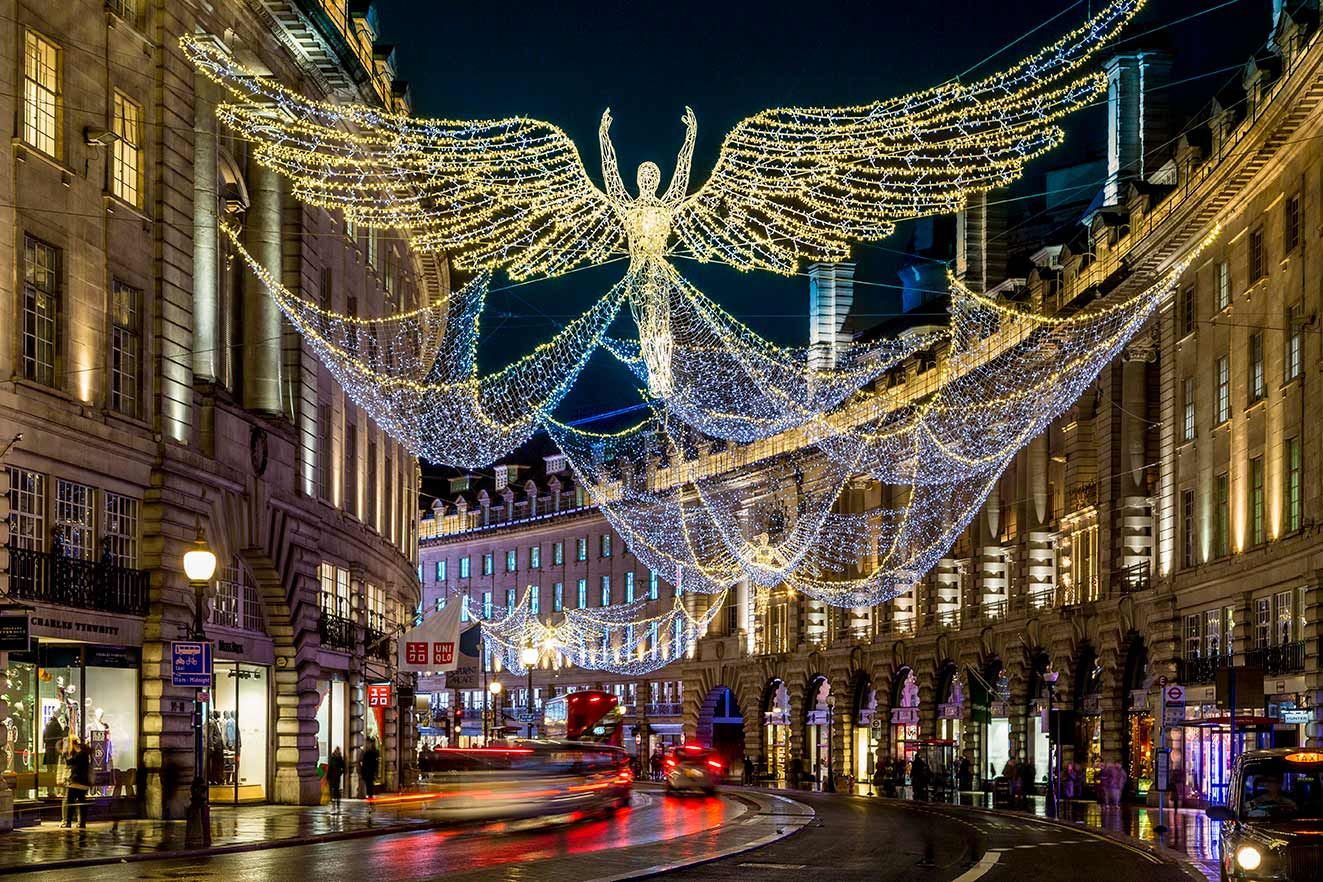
190	663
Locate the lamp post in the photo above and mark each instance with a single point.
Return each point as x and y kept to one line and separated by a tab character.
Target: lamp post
830	785
528	657
1053	747
494	689
199	567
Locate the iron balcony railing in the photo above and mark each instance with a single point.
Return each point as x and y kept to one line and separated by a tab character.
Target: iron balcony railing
1285	658
337	632
1203	669
66	581
1138	577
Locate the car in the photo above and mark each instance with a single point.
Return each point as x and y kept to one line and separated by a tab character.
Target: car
692	767
1272	824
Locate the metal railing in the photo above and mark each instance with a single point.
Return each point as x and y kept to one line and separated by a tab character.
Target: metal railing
376	644
337	632
1204	669
1285	658
1138	577
67	581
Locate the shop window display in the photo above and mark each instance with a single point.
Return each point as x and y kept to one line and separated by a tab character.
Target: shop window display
332	718
21	750
237	725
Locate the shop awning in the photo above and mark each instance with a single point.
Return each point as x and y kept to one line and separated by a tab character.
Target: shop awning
1246	722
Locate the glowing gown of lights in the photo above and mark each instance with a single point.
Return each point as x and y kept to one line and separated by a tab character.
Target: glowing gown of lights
790	186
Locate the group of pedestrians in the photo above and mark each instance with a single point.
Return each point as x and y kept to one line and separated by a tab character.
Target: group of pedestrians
369	764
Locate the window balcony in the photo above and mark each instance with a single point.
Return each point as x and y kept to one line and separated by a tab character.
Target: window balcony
1203	670
337	632
45	578
1285	658
376	644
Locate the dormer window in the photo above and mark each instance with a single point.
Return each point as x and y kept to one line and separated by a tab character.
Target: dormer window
555	463
502	477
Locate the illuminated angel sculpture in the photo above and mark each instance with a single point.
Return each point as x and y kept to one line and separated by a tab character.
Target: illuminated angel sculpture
790	186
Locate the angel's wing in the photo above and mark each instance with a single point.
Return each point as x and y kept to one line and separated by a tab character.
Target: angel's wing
801	183
509	193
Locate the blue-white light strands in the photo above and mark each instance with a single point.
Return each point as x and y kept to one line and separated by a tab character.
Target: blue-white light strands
738	472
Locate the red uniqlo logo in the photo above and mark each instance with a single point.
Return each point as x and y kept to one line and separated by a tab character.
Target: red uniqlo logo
415	653
443	653
378	695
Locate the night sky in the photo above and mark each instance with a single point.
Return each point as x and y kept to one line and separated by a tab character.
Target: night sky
565	61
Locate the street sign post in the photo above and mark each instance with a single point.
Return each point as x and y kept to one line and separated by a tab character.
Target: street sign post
1172	710
190	663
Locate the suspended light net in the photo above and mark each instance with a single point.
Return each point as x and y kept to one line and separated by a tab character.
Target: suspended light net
621	637
742	469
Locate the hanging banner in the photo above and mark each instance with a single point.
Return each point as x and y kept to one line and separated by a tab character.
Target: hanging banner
433	645
465	673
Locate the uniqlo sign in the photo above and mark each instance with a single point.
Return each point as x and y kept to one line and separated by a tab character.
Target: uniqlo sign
378	695
443	653
415	653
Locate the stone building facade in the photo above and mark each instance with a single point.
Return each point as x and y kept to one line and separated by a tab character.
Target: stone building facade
151	387
1163	530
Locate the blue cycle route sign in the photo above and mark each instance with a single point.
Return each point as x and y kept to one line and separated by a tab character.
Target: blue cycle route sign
190	663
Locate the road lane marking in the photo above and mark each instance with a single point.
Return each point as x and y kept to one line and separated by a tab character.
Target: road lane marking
987	862
755	865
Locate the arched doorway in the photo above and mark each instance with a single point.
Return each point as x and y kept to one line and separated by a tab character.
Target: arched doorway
991	690
817	728
904	715
721	726
1138	734
1037	747
951	736
864	708
1088	685
776	730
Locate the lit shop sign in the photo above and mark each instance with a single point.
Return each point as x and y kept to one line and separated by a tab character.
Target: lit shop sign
905	716
1298	717
378	694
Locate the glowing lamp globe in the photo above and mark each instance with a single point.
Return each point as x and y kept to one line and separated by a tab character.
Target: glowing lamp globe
528	656
495	687
199	561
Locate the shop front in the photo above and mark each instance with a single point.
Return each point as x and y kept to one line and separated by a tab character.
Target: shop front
239	726
989	691
905	716
1140	736
64	687
776	731
865	736
817	730
333	699
951	710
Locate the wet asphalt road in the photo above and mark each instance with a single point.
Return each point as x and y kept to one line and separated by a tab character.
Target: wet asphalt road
844	838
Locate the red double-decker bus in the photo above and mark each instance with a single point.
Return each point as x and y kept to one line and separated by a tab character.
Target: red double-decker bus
591	715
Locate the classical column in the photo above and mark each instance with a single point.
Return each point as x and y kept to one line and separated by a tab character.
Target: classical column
206	246
261	316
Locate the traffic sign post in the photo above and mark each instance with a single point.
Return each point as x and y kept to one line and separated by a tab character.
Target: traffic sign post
190	663
1172	710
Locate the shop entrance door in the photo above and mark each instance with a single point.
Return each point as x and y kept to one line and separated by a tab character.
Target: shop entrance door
238	720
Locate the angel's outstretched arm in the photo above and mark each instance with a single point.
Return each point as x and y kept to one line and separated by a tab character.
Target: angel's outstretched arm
679	187
615	187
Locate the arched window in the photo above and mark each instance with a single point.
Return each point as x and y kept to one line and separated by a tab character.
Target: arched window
238	604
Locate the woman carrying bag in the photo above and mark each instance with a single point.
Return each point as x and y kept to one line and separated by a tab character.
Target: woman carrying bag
80	781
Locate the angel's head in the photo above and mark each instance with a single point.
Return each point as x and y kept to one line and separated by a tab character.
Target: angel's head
649	179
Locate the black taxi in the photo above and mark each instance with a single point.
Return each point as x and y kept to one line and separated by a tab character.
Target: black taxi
1272	824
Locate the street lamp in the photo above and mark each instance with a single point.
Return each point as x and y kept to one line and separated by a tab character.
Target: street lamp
199	567
528	657
494	689
1054	737
830	786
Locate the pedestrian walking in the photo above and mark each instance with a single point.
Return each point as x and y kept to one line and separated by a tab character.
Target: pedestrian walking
335	773
897	778
655	764
368	766
748	771
882	778
966	773
79	765
920	777
1028	780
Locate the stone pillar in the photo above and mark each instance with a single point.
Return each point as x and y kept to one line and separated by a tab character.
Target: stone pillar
261	316
1112	703
207	356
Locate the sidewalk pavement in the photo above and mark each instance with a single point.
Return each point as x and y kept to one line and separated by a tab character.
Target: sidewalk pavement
233	828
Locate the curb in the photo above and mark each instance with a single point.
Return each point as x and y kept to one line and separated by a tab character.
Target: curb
733	851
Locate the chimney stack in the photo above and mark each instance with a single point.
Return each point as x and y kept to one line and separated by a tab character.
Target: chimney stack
831	294
1138	118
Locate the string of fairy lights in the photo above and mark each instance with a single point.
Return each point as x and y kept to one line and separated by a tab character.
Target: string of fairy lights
743	467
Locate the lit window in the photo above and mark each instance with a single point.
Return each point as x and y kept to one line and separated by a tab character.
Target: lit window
511	561
510	598
488	564
27	509
606	591
41	309
606	545
629	587
1256	501
583	594
464	567
652	585
73	518
1189	551
1258	386
1293	223
535	557
125	348
1186	313
1222	525
120	530
535	600
441	571
1295	342
558	553
41	94
1292	495
557	597
1188	425
1258	255
1223	285
126	152
581	549
1223	389
487	605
